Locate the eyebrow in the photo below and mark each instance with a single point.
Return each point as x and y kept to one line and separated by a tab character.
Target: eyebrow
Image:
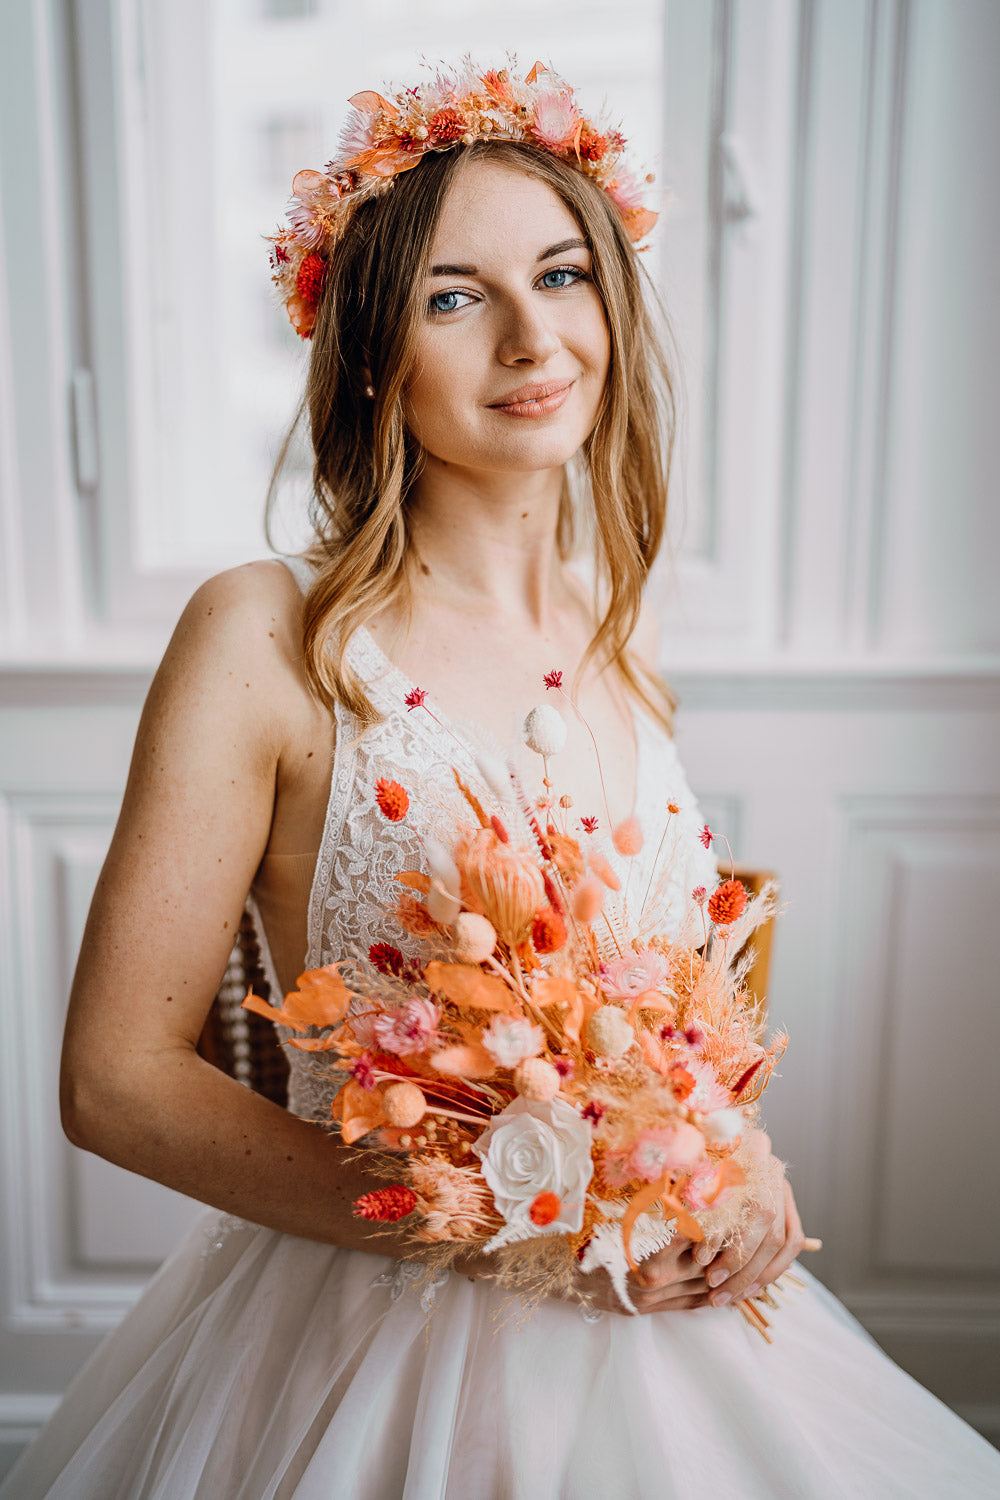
559	249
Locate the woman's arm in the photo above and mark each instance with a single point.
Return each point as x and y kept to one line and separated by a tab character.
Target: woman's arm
216	734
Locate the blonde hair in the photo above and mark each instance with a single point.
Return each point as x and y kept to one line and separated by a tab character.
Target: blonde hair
365	461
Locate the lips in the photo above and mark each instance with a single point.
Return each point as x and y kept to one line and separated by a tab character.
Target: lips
535	400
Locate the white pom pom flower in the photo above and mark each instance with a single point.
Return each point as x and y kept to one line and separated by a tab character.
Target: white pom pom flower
545	730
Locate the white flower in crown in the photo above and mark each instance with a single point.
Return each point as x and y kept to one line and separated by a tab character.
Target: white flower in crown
537	1164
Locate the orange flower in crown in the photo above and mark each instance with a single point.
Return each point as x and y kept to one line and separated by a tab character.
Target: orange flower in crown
386	136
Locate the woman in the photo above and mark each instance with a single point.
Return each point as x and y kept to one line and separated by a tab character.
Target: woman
477	324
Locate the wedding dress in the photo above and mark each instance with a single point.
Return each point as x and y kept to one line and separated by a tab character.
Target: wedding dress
259	1365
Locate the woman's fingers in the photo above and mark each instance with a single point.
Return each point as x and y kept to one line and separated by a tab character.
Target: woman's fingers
794	1242
775	1251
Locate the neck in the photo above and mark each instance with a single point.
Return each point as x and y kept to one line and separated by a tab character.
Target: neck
487	543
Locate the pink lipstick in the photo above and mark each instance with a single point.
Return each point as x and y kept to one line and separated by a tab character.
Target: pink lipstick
537	400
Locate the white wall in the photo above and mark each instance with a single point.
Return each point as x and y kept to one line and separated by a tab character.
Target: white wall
830	620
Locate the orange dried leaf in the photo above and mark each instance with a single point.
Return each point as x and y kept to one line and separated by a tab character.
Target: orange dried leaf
369	102
564	993
730	1175
673	1208
316	1043
464	984
539	67
359	1111
641	1200
321	999
261	1008
464	1061
416	880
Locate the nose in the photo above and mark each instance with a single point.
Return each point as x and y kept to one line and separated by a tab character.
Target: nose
526	335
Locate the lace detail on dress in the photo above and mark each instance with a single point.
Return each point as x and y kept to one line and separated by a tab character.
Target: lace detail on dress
354	887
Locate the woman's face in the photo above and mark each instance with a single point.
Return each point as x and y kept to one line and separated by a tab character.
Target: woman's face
513	349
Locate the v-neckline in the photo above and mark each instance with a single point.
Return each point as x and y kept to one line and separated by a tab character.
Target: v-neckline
442	723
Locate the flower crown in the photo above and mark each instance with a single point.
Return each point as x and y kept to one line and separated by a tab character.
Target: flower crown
384	137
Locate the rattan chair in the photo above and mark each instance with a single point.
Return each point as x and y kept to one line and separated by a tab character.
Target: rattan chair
245	1045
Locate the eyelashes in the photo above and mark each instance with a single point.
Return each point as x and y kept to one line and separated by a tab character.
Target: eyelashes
443	303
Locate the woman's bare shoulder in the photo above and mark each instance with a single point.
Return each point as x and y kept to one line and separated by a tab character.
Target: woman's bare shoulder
239	640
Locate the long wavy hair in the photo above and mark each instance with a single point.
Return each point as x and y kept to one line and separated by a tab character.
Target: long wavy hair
365	460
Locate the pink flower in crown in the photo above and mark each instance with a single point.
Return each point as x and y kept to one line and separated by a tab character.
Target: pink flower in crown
363	1029
409	1028
708	1093
613	1170
675	1148
624	978
625	191
554	122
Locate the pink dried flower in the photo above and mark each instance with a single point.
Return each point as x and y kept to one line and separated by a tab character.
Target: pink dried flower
409	1028
589	825
564	1066
624	978
554	120
675	1148
626	192
706	835
708	1093
553	679
415	698
699	895
700	1190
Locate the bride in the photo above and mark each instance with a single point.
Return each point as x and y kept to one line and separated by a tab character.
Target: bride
478	334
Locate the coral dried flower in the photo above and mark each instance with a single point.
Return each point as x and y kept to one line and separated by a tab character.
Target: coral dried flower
589	825
386	1204
727	902
627	838
392	799
447	125
548	931
415	698
545	1208
706	835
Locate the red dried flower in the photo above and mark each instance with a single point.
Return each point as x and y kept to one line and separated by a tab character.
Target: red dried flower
312	274
553	679
281	256
564	1066
699	894
415	698
548	930
706	835
386	958
362	1071
447	125
545	1208
554	894
589	825
694	1036
386	1204
392	799
727	902
593	1112
592	145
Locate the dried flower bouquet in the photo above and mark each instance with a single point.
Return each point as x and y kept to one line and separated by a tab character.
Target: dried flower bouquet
540	1085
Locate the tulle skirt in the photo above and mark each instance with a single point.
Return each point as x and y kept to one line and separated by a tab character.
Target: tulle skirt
259	1365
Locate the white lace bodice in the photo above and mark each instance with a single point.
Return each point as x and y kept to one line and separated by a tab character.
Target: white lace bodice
354	891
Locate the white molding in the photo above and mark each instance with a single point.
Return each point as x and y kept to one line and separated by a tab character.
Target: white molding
876	834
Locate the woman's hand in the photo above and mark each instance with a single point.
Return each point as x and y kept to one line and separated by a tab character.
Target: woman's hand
767	1245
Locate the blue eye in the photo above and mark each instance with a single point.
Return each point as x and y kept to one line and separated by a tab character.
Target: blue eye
446	302
570	274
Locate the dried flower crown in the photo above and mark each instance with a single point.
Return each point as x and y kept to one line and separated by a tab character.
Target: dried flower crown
384	137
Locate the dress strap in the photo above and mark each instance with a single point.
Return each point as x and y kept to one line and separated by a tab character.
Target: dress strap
300	568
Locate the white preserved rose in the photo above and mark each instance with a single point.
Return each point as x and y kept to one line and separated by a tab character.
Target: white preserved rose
531	1147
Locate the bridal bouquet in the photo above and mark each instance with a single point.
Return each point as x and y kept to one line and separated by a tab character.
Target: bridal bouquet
538	1084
